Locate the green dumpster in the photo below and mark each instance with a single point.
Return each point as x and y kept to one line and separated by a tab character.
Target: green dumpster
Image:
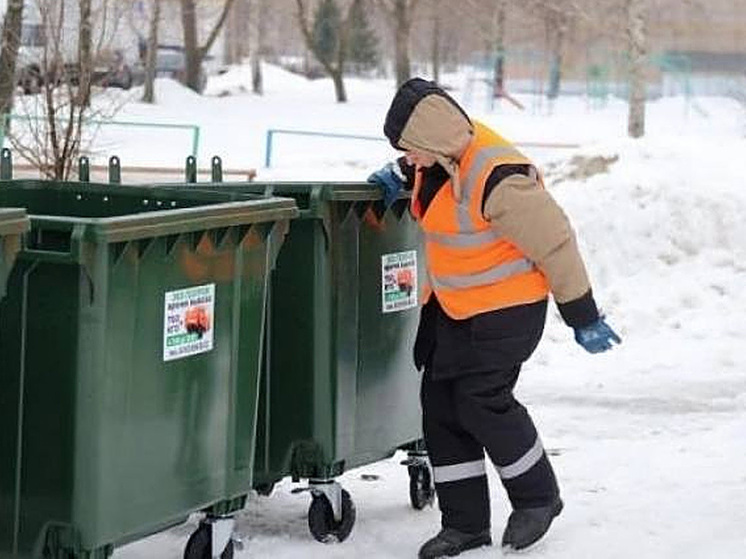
13	223
341	389
130	343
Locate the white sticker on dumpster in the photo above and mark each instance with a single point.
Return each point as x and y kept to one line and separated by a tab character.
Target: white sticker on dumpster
188	321
399	281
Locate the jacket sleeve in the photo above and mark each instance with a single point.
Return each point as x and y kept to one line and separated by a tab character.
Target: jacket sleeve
524	212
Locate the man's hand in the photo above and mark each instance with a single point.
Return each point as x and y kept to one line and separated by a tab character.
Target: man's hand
597	336
390	180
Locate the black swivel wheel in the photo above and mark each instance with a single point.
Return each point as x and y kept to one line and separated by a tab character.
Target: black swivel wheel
322	524
421	490
199	545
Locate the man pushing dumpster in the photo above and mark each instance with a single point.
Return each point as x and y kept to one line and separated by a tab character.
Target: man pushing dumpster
496	245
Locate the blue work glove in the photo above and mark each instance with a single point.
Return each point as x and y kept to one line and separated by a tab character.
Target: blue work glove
597	336
389	179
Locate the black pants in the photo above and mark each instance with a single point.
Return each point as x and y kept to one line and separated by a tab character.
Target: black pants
465	415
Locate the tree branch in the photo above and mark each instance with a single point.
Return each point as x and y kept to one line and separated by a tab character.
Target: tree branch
216	29
308	36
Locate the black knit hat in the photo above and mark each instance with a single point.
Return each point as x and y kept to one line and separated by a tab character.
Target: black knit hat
404	102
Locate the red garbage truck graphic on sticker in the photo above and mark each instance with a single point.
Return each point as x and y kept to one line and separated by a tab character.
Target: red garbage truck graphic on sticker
405	280
197	321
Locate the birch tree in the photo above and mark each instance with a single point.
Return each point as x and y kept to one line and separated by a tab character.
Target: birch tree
499	18
259	15
151	53
636	35
85	53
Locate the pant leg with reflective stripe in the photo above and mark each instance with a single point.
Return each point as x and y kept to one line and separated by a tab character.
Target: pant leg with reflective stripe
486	407
457	459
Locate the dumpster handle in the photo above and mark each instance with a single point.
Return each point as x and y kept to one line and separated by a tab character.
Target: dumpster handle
73	254
50	255
314	203
317	209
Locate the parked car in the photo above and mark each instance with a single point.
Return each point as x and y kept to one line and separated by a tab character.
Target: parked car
112	70
37	47
170	63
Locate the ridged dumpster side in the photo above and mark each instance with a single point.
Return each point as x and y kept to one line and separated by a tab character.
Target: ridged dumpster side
132	331
340	388
350	377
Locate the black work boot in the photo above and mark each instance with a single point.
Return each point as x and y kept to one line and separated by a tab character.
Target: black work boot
527	526
451	542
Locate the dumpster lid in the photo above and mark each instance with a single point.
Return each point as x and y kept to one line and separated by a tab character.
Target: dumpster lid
182	220
336	191
13	221
120	213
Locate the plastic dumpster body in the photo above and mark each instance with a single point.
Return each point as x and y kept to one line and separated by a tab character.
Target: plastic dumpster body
116	420
13	223
341	389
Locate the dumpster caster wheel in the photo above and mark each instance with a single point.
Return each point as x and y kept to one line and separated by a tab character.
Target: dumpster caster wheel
322	523
264	489
421	490
199	545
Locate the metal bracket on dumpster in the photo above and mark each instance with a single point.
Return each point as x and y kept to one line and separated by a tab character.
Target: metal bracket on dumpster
416	458
6	165
222	531
317	209
84	169
333	493
217	169
115	170
190	171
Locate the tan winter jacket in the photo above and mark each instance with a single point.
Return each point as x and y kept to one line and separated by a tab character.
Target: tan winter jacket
523	211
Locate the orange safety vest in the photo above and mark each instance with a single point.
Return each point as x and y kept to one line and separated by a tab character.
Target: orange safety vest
470	267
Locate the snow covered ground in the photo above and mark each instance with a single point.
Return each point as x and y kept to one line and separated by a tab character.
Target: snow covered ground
649	440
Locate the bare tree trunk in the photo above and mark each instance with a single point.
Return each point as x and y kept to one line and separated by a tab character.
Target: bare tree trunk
339	87
338	74
191	47
499	70
556	23
335	69
257	79
259	25
238	32
85	54
232	37
636	33
152	54
436	40
194	52
400	14
401	41
11	40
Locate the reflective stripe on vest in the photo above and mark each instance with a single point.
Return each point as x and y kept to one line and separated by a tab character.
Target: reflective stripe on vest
469	185
471	267
492	275
463	240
